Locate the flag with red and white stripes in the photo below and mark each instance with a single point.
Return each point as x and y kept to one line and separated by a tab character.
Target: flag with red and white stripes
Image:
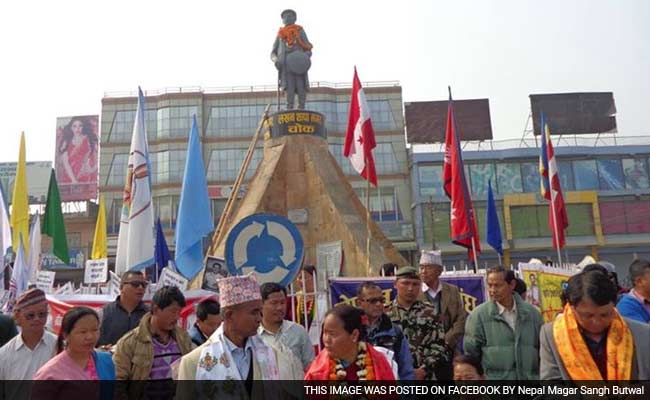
360	136
551	189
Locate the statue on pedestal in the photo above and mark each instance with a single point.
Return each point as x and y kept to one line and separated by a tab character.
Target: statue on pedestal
292	57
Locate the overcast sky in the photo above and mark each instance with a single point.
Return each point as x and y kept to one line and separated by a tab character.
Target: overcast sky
59	57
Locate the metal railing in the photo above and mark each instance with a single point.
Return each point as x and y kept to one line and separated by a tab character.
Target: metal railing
530	142
243	89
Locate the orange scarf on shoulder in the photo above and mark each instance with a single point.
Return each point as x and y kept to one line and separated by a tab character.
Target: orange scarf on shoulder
290	34
575	354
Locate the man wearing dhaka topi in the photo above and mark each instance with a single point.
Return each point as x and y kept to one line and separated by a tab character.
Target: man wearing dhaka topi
234	352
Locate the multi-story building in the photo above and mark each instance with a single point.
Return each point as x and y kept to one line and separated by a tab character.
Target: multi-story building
227	120
606	189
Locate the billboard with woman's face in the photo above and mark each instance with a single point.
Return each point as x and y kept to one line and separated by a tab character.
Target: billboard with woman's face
77	151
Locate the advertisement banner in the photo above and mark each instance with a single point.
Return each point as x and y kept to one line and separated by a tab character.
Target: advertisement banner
545	286
77	149
38	173
472	288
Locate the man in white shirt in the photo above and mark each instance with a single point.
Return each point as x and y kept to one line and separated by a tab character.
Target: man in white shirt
23	355
275	329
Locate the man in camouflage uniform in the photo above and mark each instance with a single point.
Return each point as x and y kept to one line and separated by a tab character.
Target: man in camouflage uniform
420	324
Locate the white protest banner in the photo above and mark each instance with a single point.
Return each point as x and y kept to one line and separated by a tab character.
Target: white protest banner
329	258
66	289
45	280
171	278
96	271
114	284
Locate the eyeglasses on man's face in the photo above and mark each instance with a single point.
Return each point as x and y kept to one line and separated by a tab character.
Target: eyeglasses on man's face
137	284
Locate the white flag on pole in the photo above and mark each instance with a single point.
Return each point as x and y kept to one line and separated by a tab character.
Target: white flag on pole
35	248
5	232
136	240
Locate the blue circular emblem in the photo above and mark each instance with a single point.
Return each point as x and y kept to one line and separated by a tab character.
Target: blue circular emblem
267	244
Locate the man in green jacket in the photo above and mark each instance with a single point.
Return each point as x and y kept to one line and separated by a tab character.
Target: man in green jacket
504	332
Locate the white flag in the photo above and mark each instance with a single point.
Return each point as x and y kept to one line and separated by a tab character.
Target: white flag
136	240
35	248
5	232
19	275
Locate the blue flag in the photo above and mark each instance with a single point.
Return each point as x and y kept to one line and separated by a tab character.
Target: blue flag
492	227
194	219
162	251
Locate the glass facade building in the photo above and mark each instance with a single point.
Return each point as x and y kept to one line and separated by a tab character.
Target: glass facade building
607	195
227	120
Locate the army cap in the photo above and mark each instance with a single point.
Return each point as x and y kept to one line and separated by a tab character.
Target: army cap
407	272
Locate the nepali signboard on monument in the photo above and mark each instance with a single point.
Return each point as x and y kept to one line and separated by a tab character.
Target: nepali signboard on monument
77	148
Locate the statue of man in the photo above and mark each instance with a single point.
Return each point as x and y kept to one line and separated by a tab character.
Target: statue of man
292	57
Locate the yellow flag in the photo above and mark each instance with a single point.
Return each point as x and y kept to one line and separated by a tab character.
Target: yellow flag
99	243
19	204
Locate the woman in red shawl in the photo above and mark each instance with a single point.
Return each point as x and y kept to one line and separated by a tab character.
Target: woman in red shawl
346	355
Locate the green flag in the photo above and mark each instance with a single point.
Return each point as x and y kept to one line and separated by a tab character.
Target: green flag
53	225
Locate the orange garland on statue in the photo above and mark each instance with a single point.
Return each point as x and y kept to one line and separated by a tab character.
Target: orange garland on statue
291	34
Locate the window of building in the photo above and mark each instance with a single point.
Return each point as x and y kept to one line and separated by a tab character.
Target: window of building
385	159
530	174
636	173
163	210
508	178
167	166
435	229
175	122
234	121
122	127
117	171
610	174
383	203
585	174
224	164
430	181
480	174
381	114
114	216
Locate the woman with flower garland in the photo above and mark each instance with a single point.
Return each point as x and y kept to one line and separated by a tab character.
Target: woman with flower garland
347	357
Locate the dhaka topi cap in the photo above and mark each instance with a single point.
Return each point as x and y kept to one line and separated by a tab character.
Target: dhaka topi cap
287	11
238	289
407	272
431	257
29	298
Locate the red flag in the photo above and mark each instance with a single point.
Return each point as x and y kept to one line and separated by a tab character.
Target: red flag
463	220
557	216
360	137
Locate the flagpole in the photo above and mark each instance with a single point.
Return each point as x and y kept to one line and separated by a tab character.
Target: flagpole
367	223
555	231
475	256
499	255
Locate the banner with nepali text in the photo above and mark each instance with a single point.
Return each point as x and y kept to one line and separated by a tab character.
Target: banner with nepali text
472	288
545	285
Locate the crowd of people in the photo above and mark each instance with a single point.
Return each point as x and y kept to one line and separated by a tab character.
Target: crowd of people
423	334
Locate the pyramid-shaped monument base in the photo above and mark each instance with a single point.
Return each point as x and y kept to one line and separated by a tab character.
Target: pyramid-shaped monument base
298	174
